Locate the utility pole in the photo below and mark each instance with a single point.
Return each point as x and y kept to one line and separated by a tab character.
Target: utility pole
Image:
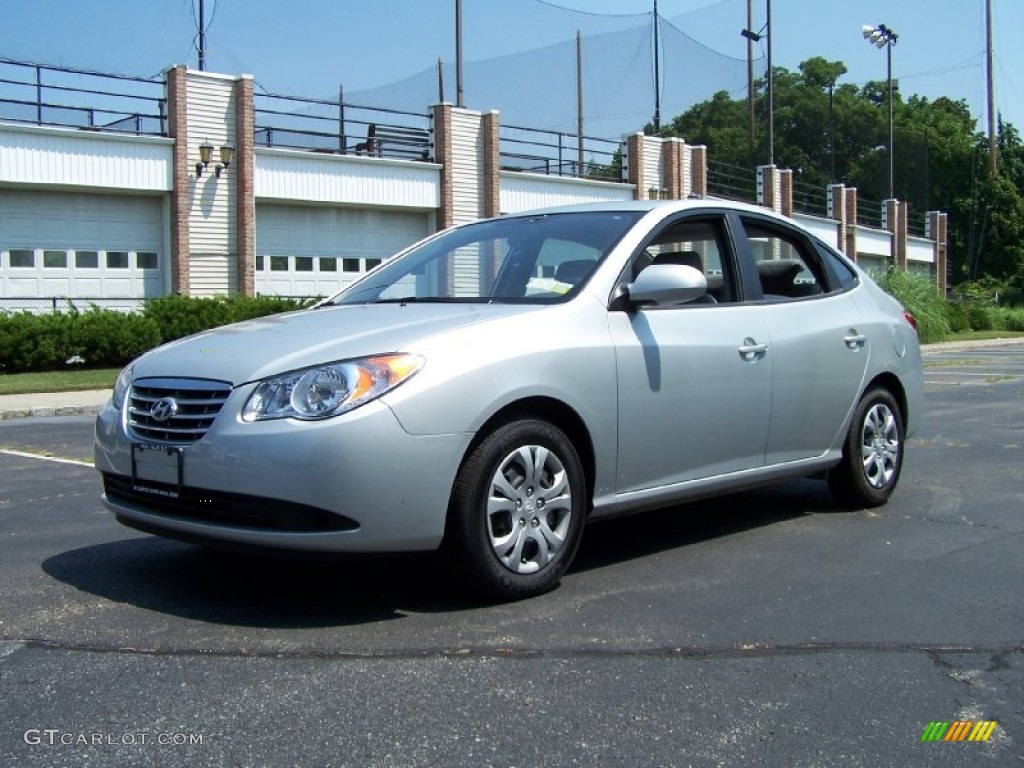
993	151
458	53
657	74
202	37
579	103
750	72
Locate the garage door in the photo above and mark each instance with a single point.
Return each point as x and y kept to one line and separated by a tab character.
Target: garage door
307	251
79	245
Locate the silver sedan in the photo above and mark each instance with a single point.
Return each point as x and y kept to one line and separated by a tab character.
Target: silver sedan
498	384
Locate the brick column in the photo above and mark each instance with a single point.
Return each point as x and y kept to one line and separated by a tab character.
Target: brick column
937	223
902	231
443	156
837	211
492	165
891	223
177	129
699	170
672	162
243	169
635	164
850	235
766	187
786	189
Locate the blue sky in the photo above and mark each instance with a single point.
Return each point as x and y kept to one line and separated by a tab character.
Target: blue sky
309	47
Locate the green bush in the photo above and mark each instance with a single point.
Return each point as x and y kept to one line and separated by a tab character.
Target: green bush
105	339
1008	319
178	316
918	294
980	317
956	316
96	339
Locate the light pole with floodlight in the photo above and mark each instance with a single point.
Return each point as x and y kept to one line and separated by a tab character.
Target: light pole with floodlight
884	37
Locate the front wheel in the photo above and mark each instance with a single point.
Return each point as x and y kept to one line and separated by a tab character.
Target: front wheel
517	510
872	453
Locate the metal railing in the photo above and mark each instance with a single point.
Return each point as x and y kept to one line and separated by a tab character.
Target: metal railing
870	213
39	305
323	125
39	94
733	182
555	153
810	199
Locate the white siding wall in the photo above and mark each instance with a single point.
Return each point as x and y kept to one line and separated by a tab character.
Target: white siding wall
654	175
873	242
467	166
69	157
920	250
212	225
283	174
526	191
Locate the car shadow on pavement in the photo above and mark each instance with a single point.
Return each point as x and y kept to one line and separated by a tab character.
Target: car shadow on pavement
610	542
250	590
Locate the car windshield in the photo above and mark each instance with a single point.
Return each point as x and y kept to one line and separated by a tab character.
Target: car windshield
533	259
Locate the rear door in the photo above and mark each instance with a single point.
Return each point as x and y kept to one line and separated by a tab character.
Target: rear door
819	342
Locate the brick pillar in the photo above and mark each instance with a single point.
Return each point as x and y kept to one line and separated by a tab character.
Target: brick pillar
243	170
937	222
177	129
635	164
672	162
492	165
443	156
786	189
850	235
902	230
766	187
891	223
699	170
837	211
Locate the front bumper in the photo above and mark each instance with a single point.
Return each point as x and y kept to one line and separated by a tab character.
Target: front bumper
354	483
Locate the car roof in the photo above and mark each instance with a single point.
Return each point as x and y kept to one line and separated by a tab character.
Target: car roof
664	206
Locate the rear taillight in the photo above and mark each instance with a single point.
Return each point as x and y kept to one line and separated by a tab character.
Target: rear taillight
910	319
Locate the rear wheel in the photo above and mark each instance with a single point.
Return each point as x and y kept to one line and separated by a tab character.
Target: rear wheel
517	510
872	453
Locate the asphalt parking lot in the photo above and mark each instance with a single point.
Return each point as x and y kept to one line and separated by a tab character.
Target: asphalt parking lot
763	628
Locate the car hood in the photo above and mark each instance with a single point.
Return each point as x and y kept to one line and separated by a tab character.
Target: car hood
271	345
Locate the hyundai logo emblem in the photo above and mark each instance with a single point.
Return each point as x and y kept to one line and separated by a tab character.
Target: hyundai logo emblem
163	409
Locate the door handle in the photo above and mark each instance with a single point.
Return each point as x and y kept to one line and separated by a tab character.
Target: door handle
751	351
855	340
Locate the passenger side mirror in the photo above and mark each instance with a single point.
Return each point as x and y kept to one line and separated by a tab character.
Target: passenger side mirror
666	285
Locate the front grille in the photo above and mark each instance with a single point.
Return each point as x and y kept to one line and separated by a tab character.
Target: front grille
236	510
178	411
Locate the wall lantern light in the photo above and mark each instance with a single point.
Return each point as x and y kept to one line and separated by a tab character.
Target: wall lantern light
206	155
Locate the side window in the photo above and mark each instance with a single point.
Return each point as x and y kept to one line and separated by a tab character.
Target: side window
841	272
786	267
694	243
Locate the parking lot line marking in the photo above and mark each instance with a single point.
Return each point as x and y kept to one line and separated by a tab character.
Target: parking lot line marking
25	455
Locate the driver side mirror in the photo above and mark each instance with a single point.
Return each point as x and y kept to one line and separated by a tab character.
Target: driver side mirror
665	285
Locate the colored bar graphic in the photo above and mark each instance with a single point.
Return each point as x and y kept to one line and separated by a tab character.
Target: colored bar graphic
959	730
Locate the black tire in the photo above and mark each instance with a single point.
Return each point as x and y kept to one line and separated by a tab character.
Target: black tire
872	454
515	537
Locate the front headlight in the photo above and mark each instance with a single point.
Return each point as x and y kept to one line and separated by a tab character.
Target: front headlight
124	380
329	390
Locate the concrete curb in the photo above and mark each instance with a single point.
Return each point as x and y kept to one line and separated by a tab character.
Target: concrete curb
52	404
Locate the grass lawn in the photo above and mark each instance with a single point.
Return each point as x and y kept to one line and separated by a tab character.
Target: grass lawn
984	335
57	381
